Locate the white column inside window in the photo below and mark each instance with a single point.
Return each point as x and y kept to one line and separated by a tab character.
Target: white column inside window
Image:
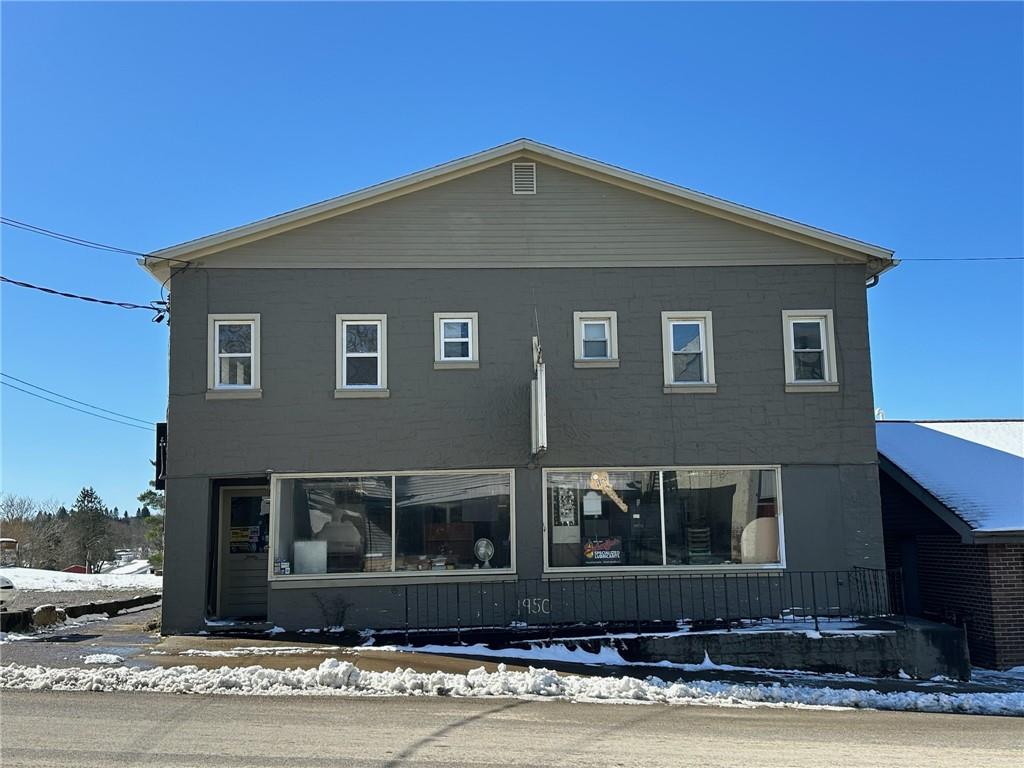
687	340
361	340
234	354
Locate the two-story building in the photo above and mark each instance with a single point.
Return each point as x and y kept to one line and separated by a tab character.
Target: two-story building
356	404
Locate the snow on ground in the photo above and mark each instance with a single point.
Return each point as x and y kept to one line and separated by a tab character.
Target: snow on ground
335	677
603	655
132	568
261	650
59	581
102	658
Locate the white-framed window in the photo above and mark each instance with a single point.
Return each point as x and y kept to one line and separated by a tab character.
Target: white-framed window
688	351
362	367
809	337
619	519
409	524
456	342
234	354
595	339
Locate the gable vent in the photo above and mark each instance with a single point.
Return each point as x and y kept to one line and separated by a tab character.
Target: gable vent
524	178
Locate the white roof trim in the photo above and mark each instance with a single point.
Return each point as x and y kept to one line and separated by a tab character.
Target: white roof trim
158	262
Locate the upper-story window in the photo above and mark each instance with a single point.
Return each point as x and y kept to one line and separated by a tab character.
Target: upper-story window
595	339
455	340
362	342
688	351
234	354
810	350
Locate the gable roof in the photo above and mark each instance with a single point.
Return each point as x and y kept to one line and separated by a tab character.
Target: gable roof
877	258
973	471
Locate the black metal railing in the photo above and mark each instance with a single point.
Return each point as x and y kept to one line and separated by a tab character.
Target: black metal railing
650	602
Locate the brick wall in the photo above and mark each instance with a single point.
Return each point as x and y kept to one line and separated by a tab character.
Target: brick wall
980	586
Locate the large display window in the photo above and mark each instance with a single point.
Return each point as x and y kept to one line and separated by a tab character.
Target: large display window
701	516
355	525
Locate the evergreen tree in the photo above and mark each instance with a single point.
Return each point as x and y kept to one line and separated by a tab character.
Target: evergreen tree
153	498
88	531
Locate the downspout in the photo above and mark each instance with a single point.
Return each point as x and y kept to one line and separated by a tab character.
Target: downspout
872	281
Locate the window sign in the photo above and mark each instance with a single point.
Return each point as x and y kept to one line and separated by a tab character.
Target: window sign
567	515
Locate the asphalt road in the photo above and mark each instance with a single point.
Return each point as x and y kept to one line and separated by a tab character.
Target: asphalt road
143	729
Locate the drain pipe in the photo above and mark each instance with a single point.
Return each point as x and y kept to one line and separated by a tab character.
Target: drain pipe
872	281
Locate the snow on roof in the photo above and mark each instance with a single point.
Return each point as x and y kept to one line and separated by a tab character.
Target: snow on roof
975	468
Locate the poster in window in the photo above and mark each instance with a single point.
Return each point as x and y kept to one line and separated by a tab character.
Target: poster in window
566	529
592	504
603	551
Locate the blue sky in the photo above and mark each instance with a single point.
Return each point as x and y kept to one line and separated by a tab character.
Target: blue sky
144	125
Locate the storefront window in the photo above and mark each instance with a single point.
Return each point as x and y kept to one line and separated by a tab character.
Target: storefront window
453	522
334	525
347	525
605	518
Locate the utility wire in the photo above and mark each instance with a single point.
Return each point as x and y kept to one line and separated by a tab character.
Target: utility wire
65	397
67	238
159	307
73	408
77	240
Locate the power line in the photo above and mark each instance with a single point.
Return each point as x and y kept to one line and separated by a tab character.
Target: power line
160	307
80	410
77	240
65	397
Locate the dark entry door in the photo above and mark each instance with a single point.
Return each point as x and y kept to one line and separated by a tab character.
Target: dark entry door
911	582
244	543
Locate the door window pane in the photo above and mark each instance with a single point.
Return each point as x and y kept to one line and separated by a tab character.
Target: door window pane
334	525
234	337
361	337
453	522
715	517
603	518
248	527
361	371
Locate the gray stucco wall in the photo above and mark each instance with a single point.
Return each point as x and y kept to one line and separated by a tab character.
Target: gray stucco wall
480	418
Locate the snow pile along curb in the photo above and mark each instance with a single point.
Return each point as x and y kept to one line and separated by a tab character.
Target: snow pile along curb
335	677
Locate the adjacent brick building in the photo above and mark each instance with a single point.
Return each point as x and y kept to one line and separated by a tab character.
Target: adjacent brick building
953	517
